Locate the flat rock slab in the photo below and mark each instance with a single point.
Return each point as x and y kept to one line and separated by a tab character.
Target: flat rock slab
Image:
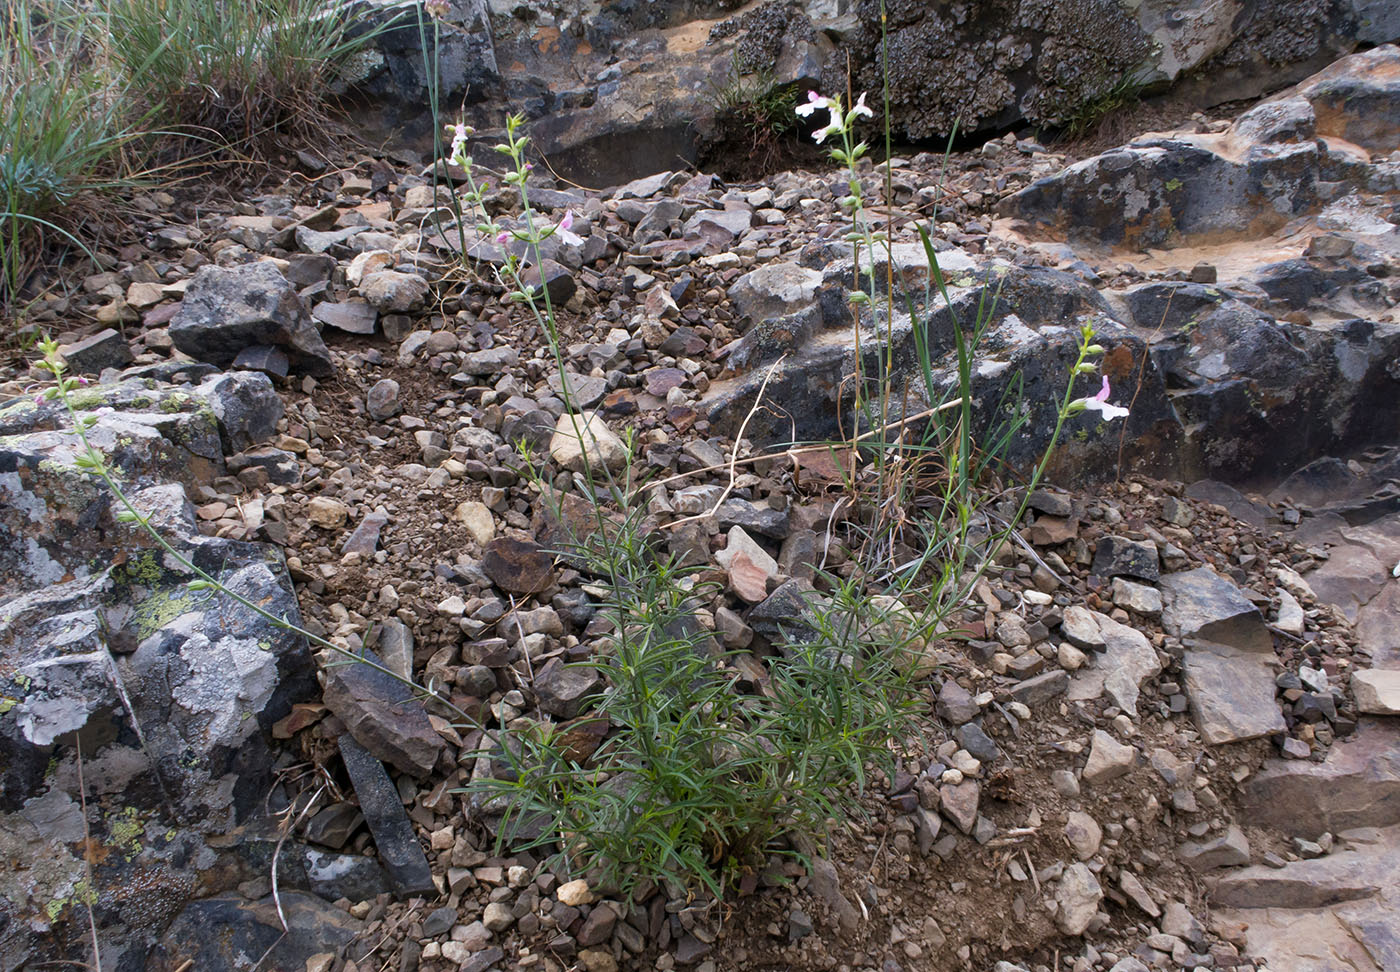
394	837
1358	785
518	566
1232	694
1341	911
1377	691
352	318
227	933
1340	876
1203	605
1230	849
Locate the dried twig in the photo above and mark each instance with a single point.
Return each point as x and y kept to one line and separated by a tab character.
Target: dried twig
87	859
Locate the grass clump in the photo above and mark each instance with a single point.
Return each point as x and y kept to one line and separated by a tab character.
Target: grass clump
232	70
66	131
712	761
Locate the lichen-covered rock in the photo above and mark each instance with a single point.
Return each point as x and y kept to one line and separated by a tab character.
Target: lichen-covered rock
170	693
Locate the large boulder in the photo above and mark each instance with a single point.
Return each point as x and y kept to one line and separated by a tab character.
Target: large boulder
118	683
659	74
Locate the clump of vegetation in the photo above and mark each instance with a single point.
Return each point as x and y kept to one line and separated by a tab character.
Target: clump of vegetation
754	120
1084	117
92	89
704	761
66	132
232	70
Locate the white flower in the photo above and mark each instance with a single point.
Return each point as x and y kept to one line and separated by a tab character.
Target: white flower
859	108
459	141
814	101
1100	403
562	230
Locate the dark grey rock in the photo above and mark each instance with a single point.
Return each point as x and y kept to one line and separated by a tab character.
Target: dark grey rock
229	934
394	836
382	403
228	309
1201	604
786	615
971	737
383	715
271	361
334	825
94	354
247	406
352	318
563	690
955	703
753	519
1119	556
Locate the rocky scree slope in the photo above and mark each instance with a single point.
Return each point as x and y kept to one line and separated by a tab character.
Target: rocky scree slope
1171	686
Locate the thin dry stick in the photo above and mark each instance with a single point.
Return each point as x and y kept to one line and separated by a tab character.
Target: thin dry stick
87	858
1142	373
734	458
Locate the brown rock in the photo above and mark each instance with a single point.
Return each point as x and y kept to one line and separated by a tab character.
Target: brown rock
518	566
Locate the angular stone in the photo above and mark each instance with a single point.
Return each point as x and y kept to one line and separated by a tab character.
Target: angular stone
352	318
1108	759
1357	785
394	292
563	690
1231	694
1041	688
1083	833
247	406
394	836
559	283
750	567
219	934
1137	894
1127	660
1080	628
1137	597
491	361
382	715
382	403
786	614
365	538
955	703
1117	556
94	354
477	518
1200	604
601	448
774	290
264	358
1228	850
971	737
1077	896
225	310
959	803
1337	877
517	566
755	519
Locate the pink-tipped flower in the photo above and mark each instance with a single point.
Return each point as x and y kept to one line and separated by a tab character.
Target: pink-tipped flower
1101	404
563	229
813	103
